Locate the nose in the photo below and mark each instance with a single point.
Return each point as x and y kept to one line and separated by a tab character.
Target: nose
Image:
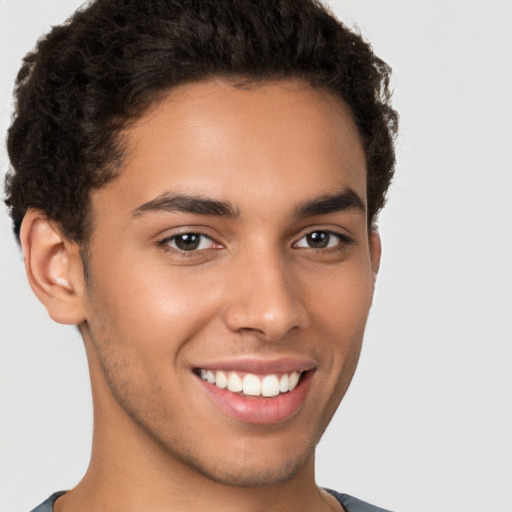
264	298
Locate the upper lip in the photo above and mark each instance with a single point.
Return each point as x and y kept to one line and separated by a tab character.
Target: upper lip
260	366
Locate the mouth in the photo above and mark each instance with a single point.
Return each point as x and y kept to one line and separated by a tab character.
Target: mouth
262	396
250	384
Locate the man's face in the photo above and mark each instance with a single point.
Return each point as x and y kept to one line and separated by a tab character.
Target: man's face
232	250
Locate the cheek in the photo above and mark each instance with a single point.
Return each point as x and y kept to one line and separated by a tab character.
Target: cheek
340	314
343	301
150	312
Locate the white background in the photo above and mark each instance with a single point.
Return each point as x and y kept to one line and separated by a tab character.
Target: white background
427	423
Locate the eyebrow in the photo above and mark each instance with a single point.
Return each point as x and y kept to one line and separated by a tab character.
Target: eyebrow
323	205
168	202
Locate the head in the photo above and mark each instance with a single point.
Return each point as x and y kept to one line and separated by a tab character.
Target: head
218	168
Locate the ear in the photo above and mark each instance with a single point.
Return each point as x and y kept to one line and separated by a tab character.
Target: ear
54	268
375	252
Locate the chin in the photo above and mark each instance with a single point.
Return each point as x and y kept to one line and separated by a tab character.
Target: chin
247	474
239	463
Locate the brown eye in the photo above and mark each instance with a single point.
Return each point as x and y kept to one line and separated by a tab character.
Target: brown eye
189	242
319	240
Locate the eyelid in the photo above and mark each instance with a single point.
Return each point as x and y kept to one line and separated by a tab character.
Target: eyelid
333	230
164	242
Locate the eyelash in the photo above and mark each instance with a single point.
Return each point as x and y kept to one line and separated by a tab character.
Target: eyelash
343	242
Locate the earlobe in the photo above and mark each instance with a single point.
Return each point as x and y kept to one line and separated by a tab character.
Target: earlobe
54	268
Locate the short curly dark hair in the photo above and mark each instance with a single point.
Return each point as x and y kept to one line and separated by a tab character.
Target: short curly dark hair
100	70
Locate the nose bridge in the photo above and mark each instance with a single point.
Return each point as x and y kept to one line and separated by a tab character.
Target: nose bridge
264	297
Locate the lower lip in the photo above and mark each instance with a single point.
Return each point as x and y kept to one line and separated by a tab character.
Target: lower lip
259	410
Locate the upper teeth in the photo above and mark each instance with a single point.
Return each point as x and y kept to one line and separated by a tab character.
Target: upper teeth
250	384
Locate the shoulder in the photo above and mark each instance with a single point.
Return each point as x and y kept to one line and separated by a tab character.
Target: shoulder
47	506
351	504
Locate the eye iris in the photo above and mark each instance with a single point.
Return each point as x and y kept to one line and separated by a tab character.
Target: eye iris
188	242
318	239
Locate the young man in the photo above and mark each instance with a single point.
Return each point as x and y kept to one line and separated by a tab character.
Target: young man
195	185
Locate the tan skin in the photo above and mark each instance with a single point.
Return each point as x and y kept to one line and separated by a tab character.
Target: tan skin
257	285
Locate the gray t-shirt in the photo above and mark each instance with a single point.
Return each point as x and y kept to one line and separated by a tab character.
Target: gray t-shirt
349	503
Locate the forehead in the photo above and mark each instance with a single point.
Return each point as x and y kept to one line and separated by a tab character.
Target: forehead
275	141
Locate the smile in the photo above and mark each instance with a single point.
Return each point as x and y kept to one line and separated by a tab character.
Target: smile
270	385
257	392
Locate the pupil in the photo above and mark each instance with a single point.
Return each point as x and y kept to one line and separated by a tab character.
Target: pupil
318	239
188	242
